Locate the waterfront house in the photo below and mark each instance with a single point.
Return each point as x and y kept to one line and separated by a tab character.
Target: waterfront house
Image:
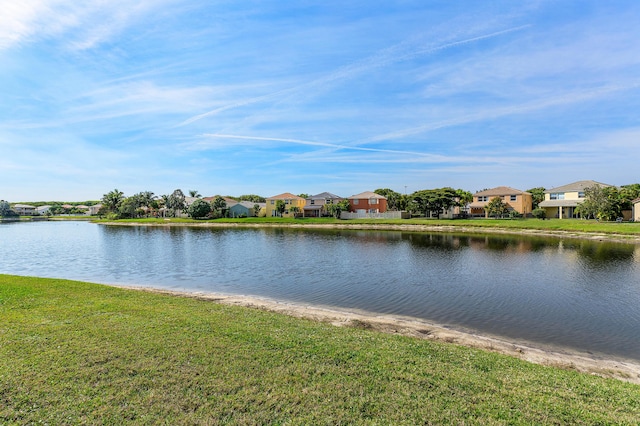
244	209
367	202
515	200
93	210
290	201
561	202
315	204
24	209
43	210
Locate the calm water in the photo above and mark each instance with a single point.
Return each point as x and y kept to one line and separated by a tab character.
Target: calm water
576	294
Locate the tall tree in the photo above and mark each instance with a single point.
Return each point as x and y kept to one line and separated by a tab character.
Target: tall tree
280	207
176	202
537	195
5	209
435	201
601	203
218	205
394	199
194	193
111	200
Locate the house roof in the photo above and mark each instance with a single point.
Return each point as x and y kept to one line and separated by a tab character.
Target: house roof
637	200
324	196
367	194
500	190
248	204
560	203
312	207
23	206
576	186
285	196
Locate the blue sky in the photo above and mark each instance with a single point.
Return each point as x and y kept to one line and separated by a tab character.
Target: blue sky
265	97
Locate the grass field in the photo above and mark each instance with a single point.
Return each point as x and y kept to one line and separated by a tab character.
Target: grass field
81	353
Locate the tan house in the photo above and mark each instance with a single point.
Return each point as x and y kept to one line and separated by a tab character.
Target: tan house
516	200
290	201
635	210
561	202
316	204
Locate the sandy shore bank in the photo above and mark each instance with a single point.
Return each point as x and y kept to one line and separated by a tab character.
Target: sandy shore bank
628	371
592	236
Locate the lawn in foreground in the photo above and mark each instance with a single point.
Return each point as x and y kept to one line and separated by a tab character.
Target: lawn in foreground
73	352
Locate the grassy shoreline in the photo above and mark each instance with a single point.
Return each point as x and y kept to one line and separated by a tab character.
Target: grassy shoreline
628	232
76	352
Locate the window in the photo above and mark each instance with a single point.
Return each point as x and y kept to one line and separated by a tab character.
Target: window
513	198
312	202
356	201
557	196
273	202
287	201
581	194
483	198
373	201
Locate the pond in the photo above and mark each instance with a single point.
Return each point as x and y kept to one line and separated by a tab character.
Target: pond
576	294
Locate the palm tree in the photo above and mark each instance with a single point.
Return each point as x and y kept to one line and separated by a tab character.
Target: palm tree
111	200
195	194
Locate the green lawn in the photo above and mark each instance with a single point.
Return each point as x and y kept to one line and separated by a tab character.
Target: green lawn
81	353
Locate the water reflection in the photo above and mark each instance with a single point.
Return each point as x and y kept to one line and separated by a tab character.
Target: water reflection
582	294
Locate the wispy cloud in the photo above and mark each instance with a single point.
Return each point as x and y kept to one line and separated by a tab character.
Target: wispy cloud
383	58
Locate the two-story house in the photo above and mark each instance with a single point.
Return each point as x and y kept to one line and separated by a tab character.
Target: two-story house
561	202
315	205
516	200
290	201
367	202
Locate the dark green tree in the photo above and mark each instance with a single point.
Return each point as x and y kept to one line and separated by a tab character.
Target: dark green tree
496	208
199	209
218	205
5	209
335	209
602	203
175	203
280	207
434	201
394	199
111	200
537	195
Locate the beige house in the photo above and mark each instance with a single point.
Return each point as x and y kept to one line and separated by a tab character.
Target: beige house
635	210
24	209
516	200
561	202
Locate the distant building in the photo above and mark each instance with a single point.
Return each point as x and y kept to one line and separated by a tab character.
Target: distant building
515	200
367	202
289	200
561	202
316	204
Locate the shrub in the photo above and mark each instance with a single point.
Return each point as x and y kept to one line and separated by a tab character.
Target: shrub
539	213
